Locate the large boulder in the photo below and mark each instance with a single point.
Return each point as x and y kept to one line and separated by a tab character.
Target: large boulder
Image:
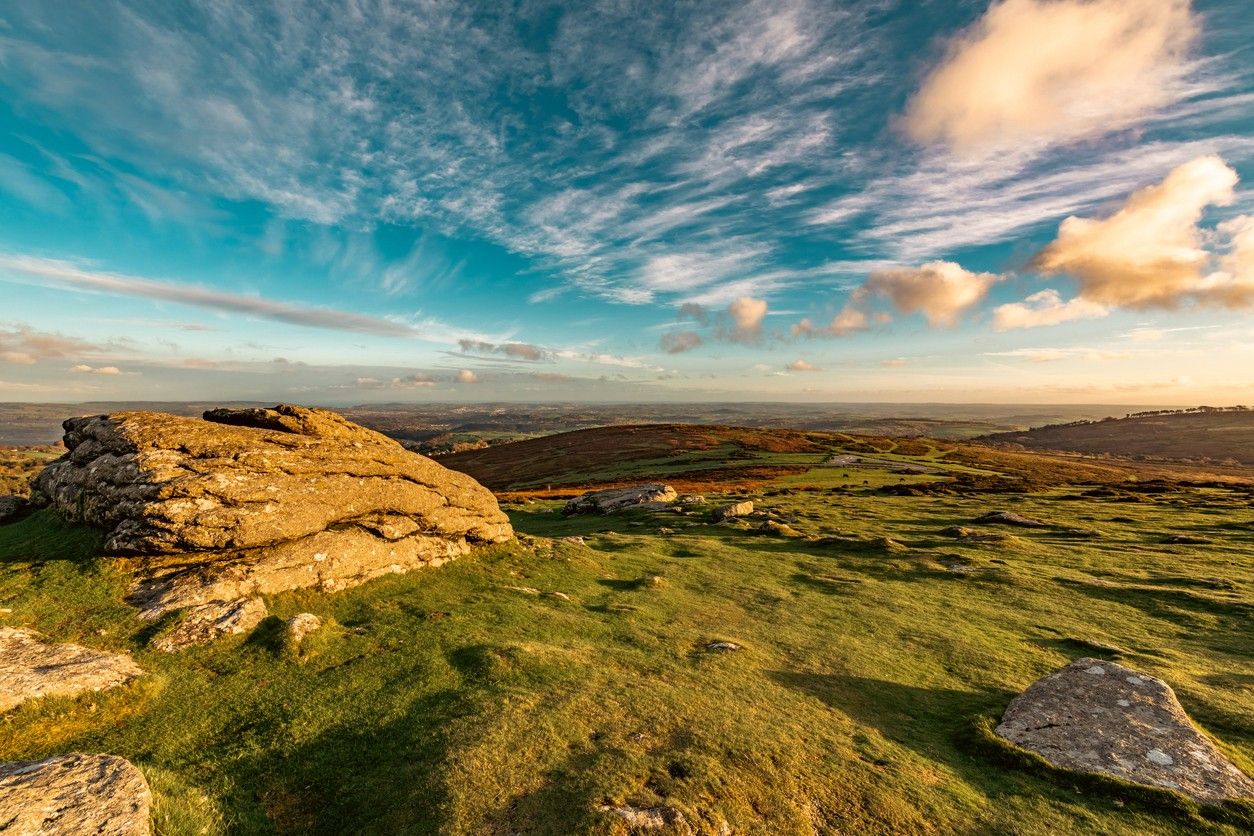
649	496
1098	716
256	501
101	795
31	668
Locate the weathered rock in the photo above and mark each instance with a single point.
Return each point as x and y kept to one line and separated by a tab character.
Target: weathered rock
779	529
639	819
722	646
74	794
1098	716
972	536
1009	518
735	509
203	623
32	668
256	501
301	625
650	496
13	508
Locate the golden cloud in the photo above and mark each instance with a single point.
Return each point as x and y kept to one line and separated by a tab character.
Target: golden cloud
1054	71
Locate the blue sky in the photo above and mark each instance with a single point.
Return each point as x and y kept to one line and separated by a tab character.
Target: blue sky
342	202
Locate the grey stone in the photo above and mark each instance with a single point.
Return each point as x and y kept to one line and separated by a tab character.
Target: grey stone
652	496
13	508
31	668
735	509
74	795
1099	716
1010	518
203	623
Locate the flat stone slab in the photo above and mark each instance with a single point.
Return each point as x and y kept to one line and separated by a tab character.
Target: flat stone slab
31	668
203	623
651	496
1099	716
100	795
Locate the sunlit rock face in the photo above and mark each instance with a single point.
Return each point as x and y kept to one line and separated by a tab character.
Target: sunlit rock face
255	501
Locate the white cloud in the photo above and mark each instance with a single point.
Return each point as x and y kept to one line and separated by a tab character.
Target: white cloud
800	365
467	376
1055	71
1045	308
1152	253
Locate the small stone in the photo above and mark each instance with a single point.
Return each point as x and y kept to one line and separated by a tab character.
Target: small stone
1096	670
640	819
525	590
733	510
204	623
1123	703
1010	518
649	496
722	646
301	625
1159	757
561	596
101	795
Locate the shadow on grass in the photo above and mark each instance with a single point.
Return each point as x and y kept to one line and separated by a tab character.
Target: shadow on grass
44	536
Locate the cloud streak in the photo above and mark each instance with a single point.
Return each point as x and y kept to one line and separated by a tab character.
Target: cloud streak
68	274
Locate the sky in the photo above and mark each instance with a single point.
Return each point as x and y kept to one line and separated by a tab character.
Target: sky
355	201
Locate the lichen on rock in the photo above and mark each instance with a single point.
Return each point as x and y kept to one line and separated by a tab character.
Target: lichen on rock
257	501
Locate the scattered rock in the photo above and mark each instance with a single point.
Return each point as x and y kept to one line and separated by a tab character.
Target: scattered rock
525	590
203	623
778	529
692	499
1185	540
1010	518
32	668
1098	716
301	625
561	596
13	508
735	509
653	580
573	541
256	501
640	819
970	535
650	496
101	795
722	646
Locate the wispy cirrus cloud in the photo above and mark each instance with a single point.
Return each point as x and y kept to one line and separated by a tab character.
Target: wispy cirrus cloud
69	274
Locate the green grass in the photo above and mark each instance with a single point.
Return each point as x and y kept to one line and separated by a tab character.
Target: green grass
445	702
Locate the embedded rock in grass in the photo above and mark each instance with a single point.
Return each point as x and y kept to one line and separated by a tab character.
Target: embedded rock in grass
650	496
1098	716
102	795
301	625
203	623
735	509
1010	518
640	819
255	501
12	508
31	668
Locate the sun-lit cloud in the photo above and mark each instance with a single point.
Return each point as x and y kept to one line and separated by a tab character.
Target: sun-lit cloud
1055	71
1152	253
83	368
747	314
467	376
1045	307
800	365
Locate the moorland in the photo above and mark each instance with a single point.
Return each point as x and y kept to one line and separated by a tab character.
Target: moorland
833	662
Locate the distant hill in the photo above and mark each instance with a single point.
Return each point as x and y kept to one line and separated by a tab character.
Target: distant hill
1204	436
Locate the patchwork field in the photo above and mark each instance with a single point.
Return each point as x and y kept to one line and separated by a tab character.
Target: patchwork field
536	685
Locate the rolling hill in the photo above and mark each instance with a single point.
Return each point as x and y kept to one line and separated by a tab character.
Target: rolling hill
1199	436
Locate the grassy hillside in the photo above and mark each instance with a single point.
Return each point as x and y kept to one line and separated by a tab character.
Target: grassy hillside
714	457
1187	436
474	699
